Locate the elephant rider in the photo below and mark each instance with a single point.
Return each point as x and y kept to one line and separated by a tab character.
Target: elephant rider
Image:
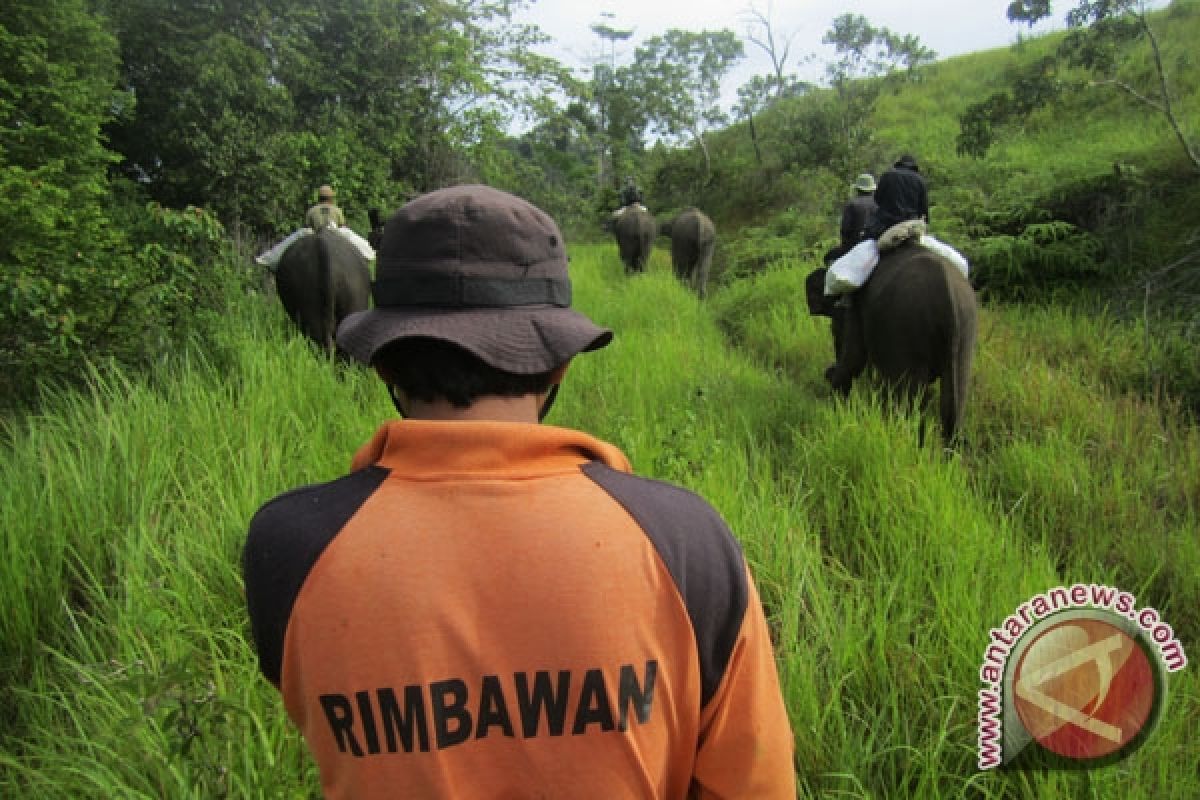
909	197
857	215
902	213
324	214
630	193
490	607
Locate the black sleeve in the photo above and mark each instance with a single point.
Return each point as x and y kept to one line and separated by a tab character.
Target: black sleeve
702	556
286	538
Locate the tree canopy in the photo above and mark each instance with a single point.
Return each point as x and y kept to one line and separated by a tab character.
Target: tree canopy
1098	31
678	78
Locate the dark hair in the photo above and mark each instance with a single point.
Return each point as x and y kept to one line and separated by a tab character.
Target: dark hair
429	369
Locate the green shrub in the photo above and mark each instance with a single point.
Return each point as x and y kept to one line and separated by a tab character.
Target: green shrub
129	289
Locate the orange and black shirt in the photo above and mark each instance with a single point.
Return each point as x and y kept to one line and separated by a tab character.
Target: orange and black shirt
500	610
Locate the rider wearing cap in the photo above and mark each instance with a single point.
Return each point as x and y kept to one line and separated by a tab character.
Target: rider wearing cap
489	607
857	214
324	214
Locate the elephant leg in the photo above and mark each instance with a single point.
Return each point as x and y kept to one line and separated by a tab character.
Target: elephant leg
702	270
837	317
920	400
851	353
948	410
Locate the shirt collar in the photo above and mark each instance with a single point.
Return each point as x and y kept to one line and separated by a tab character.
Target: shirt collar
428	449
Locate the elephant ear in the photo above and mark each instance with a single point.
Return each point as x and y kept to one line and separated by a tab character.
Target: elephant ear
900	233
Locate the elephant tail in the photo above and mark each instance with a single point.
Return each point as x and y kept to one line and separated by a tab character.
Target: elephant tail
326	297
956	379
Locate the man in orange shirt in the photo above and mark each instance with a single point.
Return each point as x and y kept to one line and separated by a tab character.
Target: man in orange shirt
488	607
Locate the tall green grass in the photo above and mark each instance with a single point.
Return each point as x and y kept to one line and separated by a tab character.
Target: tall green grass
124	662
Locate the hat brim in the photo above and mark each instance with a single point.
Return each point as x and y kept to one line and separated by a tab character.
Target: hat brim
525	341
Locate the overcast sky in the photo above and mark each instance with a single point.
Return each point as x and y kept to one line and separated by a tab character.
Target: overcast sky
948	27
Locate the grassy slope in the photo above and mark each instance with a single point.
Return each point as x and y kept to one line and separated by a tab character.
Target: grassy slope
1058	157
123	647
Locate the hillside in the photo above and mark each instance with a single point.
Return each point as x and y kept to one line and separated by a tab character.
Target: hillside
1090	202
1096	160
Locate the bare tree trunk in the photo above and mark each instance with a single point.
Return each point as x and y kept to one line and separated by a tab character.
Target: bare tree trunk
1168	108
707	157
754	140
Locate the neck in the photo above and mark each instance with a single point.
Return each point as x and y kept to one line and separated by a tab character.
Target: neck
490	408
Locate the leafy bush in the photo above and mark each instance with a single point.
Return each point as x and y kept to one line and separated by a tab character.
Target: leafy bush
129	288
1042	254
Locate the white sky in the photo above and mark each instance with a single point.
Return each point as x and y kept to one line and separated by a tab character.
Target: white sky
948	27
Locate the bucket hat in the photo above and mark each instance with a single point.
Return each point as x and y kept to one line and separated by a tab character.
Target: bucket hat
479	268
325	191
906	161
865	182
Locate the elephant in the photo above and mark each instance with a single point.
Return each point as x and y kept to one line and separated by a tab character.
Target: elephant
914	321
321	279
693	237
635	229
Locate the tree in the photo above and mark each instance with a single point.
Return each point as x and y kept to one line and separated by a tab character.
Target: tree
209	113
88	273
57	69
761	33
246	105
677	77
605	95
1098	32
867	58
867	52
753	97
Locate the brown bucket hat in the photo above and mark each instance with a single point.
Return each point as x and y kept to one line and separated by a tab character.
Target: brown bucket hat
479	268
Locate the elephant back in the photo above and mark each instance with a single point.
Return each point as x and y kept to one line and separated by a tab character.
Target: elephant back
347	276
914	270
321	278
918	302
636	222
693	237
635	229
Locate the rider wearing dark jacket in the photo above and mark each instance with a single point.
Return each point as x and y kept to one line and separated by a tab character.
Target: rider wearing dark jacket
901	195
858	212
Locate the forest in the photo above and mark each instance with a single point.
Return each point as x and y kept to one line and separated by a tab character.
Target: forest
149	149
144	139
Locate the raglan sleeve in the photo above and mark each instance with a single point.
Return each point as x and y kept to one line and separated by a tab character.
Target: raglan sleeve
746	745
